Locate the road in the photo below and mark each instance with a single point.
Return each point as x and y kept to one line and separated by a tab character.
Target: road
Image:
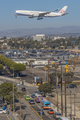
4	117
26	112
30	90
46	115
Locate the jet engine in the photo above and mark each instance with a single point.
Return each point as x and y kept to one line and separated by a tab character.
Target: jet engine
31	16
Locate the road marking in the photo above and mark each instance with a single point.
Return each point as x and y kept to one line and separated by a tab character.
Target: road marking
32	109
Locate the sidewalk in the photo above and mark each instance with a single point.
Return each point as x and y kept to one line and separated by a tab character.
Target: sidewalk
16	116
14	80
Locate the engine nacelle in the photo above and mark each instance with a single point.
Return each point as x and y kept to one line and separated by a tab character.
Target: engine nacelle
39	18
31	16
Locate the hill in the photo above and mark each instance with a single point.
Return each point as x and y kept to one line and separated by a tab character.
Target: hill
28	32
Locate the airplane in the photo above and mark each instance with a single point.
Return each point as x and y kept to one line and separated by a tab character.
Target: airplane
40	14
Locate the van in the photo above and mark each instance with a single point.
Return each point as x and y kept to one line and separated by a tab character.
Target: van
62	118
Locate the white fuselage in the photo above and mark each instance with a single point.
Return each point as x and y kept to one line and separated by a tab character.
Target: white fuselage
35	13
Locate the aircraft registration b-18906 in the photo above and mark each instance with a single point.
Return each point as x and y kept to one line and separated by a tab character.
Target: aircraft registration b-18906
40	14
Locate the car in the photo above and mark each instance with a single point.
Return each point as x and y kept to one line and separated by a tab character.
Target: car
54	86
37	100
23	89
31	102
57	115
27	97
62	118
33	96
51	111
18	84
2	111
16	101
72	86
38	92
51	95
39	111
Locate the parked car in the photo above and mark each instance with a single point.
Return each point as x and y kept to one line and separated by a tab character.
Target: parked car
27	97
72	86
2	111
62	118
31	102
51	111
23	89
38	92
16	101
39	111
33	96
57	115
51	95
54	86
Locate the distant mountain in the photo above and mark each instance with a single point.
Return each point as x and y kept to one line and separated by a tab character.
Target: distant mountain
48	31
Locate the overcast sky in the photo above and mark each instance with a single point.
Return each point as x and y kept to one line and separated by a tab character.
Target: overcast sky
8	20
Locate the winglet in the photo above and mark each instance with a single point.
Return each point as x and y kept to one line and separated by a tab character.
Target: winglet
63	9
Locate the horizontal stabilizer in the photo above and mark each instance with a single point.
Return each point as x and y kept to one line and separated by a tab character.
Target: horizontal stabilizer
65	14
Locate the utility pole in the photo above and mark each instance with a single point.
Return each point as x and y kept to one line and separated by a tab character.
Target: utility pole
70	106
20	100
13	88
32	73
74	106
61	92
48	71
45	74
56	86
41	108
65	96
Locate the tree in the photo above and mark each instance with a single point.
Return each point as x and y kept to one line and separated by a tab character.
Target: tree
53	77
17	67
6	90
69	76
45	88
4	37
1	66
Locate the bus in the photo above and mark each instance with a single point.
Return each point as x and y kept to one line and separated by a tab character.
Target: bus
46	104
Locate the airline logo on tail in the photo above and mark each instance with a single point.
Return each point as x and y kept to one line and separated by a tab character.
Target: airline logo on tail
63	10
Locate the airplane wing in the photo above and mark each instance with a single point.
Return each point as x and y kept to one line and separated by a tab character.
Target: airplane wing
45	13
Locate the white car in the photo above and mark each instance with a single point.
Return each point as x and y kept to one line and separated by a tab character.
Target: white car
57	115
2	111
63	118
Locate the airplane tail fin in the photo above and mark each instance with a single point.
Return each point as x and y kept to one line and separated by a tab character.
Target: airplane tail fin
63	9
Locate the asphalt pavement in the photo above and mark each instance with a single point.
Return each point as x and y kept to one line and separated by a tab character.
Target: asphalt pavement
4	117
26	112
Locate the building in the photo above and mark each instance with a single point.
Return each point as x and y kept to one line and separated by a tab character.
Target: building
39	37
40	62
55	38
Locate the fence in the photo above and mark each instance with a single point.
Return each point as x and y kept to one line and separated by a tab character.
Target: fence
9	111
76	118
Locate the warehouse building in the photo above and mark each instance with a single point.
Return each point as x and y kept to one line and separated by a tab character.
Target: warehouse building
39	37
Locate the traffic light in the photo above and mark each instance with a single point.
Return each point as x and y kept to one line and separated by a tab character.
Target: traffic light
67	68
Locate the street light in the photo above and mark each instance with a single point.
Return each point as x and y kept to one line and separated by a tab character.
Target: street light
13	88
20	98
